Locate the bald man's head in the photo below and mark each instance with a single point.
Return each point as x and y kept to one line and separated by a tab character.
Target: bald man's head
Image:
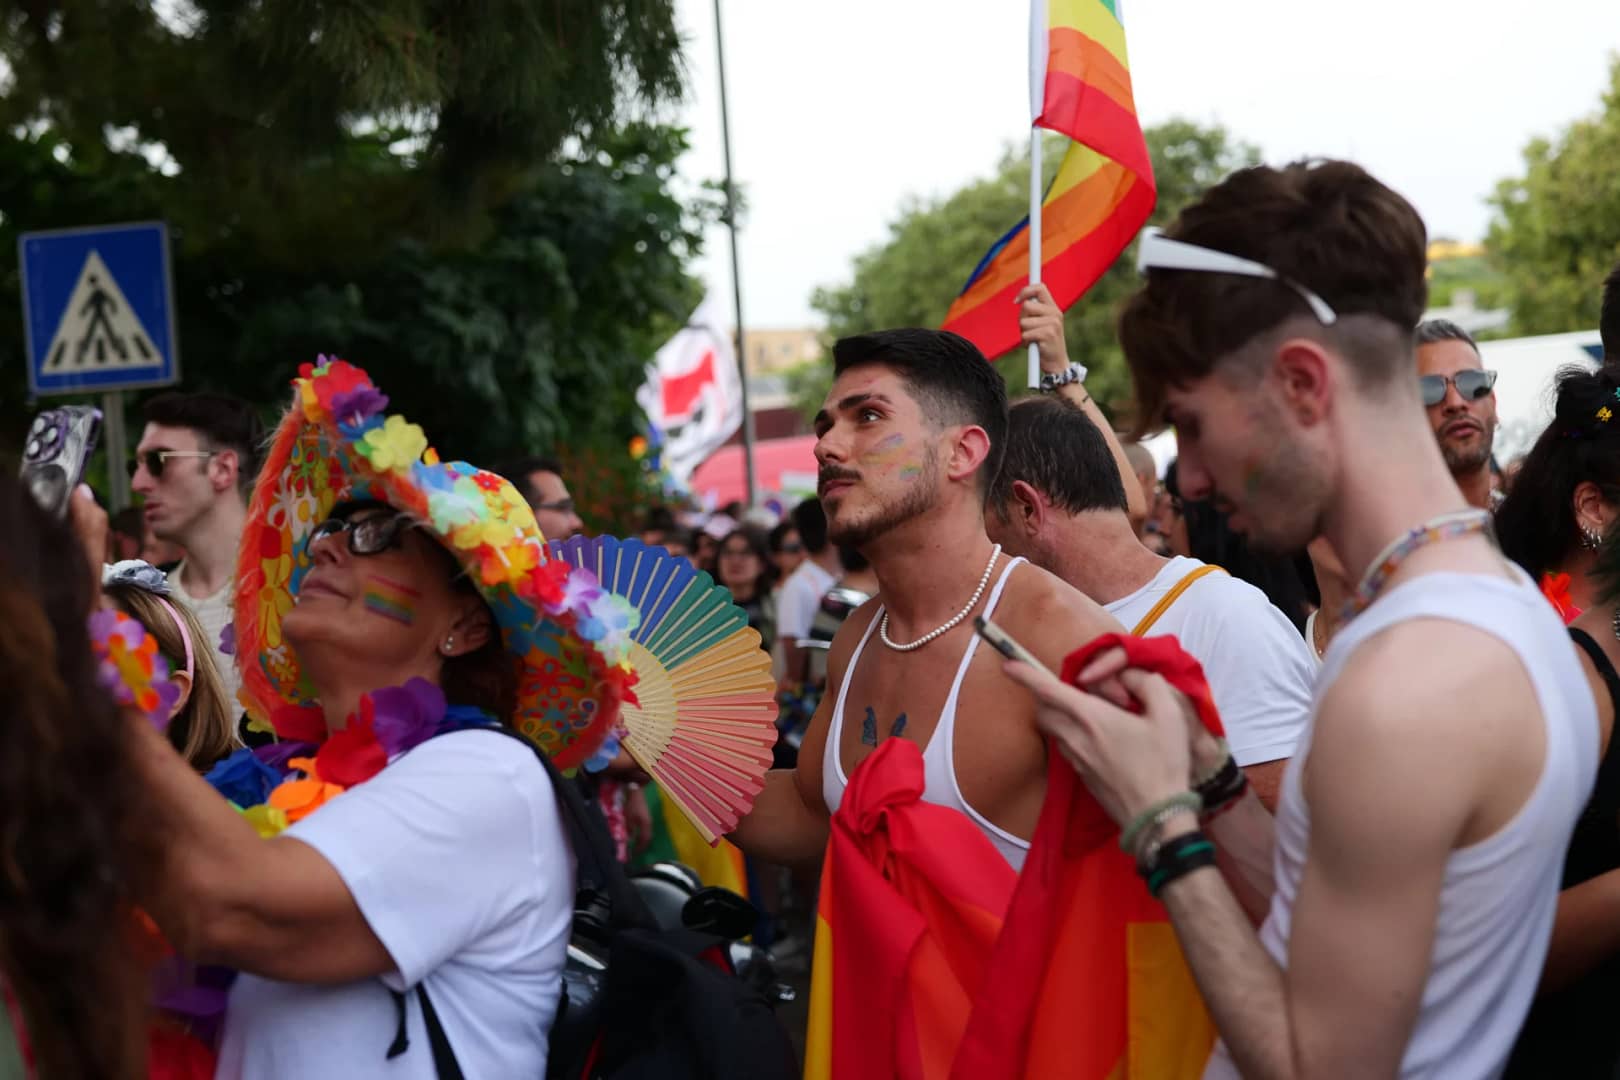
1143	465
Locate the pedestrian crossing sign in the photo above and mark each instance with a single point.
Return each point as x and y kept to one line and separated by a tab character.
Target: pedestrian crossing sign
98	308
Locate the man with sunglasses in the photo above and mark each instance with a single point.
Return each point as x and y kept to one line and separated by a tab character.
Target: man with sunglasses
541	482
1460	397
1410	878
194	468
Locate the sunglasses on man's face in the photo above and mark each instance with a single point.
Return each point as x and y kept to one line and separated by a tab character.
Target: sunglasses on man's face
1471	385
794	548
154	460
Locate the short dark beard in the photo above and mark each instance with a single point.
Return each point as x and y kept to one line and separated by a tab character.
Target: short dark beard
918	500
1461	462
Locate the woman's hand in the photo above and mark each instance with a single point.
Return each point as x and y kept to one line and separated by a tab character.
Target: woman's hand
1130	761
89	522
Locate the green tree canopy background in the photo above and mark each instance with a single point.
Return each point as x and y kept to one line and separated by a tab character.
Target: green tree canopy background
911	278
475	202
1555	231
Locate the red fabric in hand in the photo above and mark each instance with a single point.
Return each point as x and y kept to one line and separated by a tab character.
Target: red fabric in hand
1162	656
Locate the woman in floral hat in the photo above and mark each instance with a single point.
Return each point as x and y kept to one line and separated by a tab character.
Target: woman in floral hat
391	612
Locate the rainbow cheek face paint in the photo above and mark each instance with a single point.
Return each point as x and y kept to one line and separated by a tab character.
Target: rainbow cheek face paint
884	456
390	599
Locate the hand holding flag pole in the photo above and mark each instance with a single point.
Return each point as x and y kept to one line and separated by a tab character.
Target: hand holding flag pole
1080	86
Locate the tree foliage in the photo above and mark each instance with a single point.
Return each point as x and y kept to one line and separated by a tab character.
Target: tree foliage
1555	231
255	108
912	277
460	198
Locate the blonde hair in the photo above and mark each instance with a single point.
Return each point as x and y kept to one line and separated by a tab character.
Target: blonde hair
204	730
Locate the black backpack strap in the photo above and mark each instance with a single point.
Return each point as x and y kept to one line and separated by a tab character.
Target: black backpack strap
445	1065
444	1057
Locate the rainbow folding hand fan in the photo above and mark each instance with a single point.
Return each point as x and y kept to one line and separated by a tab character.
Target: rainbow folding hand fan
707	719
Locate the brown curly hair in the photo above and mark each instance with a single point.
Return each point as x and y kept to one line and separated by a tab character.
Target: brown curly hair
70	812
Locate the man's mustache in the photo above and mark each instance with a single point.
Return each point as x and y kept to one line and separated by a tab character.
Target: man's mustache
832	473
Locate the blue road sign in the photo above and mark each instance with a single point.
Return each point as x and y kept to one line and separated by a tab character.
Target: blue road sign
98	307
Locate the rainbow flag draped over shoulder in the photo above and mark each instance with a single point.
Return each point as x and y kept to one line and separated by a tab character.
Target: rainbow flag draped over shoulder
933	961
1104	190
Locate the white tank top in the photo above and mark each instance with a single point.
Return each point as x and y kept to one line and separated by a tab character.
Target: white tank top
1499	895
939	772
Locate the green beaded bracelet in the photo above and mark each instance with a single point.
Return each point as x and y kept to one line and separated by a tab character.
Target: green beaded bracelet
1156	815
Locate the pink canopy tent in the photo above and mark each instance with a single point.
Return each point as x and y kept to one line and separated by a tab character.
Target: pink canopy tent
784	466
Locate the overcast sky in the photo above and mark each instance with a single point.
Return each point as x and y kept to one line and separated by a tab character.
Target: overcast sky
842	108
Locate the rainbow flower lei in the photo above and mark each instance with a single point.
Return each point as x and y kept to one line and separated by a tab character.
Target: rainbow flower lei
274	786
131	668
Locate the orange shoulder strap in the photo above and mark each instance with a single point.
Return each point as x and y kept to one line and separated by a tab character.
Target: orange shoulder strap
1171	597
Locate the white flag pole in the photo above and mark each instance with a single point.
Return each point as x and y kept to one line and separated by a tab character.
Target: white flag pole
1034	240
1037	103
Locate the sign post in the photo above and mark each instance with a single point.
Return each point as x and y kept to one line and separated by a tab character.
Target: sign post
98	311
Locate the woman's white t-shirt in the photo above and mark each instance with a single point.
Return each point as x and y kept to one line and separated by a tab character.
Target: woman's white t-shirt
456	856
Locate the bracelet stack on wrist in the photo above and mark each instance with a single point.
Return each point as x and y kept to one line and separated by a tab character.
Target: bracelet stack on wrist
1053	380
1144	827
1222	787
1160	861
1176	858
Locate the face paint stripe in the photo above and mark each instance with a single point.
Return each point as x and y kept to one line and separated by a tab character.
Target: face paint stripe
390	599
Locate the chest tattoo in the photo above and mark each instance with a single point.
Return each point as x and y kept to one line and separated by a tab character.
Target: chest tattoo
869	734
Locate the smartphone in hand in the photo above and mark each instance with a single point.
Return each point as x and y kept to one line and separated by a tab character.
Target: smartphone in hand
59	444
1004	643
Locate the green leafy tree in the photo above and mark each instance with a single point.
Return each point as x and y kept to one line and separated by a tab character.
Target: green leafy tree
463	201
1555	231
912	277
534	339
286	123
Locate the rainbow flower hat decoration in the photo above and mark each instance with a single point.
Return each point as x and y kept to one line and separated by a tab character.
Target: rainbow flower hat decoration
569	638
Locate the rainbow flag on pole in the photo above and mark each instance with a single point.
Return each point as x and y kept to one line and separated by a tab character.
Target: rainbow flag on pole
1080	86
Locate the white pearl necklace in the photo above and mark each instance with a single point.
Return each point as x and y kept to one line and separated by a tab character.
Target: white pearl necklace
883	624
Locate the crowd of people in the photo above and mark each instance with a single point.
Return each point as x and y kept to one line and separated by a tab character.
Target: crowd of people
1331	700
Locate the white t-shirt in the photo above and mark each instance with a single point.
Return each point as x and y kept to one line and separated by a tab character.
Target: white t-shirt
800	599
456	856
214	613
1259	668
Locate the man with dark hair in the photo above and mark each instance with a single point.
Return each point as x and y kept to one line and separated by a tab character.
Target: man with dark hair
1460	396
1060	503
800	598
909	438
1609	317
194	469
540	481
1421	829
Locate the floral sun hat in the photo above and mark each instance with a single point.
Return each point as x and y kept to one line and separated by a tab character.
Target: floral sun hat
569	638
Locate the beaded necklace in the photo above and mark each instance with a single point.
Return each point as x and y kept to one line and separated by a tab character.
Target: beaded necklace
973	601
1443	527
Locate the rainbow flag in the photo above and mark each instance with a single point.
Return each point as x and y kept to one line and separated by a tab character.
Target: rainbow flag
933	961
912	900
1104	190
